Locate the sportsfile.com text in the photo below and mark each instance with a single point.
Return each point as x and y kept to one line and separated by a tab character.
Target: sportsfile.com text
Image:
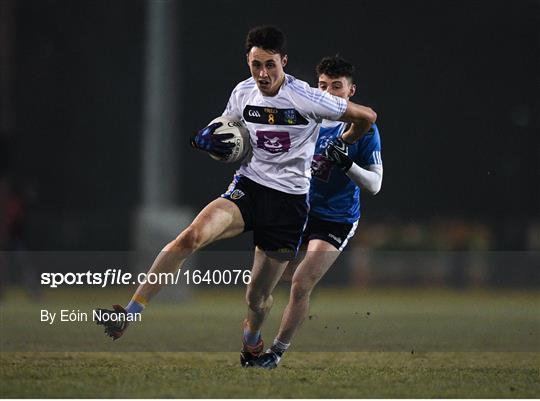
118	277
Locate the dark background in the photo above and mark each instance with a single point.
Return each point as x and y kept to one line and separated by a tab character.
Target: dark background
455	85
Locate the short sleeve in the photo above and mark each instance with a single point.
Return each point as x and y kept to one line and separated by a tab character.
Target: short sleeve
369	148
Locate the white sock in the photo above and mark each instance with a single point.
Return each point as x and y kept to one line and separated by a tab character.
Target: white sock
279	347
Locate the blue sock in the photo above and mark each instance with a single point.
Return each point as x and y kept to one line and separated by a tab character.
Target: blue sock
251	337
134	307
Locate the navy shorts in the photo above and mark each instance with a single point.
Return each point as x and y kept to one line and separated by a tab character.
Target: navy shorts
333	232
276	218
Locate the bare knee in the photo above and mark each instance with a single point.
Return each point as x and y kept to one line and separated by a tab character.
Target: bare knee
301	291
258	302
189	240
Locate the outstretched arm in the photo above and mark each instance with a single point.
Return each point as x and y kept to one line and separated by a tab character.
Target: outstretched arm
355	133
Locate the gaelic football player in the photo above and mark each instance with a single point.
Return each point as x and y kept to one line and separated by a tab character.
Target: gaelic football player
268	194
339	170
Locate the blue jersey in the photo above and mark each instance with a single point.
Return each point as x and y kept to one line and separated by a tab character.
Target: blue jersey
332	195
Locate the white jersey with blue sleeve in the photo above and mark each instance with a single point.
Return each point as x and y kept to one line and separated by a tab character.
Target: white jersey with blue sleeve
283	131
333	196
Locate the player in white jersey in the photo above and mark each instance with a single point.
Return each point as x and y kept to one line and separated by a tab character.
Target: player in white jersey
269	192
283	130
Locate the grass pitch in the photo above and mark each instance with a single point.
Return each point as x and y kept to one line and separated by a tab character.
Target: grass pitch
369	344
302	375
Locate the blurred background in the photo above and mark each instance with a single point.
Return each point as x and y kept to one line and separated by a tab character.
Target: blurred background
99	98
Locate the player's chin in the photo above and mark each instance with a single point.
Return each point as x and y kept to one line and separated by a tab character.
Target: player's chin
264	86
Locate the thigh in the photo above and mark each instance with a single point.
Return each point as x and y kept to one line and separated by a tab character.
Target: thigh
293	264
320	256
220	219
266	272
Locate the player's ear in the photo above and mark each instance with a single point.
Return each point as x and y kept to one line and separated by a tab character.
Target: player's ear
352	91
247	58
284	60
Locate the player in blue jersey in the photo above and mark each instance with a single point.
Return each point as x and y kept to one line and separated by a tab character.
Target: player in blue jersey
343	163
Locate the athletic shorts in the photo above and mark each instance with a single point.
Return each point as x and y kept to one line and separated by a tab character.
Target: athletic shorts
333	232
276	218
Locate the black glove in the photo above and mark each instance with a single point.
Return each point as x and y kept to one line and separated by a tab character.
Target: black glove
336	151
206	140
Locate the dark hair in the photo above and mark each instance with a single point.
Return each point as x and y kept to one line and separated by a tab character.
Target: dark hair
335	67
268	38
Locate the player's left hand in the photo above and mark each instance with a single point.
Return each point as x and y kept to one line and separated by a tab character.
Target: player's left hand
206	140
336	151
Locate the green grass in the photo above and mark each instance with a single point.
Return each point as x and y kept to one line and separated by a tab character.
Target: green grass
302	375
370	344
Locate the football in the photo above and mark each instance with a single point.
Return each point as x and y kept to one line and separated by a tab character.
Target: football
240	139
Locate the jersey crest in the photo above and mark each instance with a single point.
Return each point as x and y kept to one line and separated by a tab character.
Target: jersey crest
274	141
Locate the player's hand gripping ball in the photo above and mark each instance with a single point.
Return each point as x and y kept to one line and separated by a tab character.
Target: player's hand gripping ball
225	139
